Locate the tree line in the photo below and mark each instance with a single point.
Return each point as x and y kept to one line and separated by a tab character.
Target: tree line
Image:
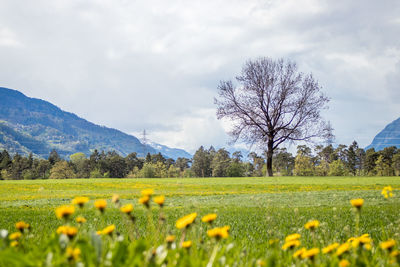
318	161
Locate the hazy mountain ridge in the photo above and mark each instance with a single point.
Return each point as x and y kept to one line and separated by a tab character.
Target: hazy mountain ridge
37	126
389	136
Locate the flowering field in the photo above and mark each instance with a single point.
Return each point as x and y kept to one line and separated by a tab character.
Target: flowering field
200	222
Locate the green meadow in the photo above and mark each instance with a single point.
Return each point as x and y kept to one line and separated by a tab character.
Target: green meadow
261	212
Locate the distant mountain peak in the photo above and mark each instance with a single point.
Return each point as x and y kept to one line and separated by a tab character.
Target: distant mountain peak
389	136
31	125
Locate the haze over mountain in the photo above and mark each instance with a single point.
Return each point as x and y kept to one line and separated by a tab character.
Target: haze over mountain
30	125
389	136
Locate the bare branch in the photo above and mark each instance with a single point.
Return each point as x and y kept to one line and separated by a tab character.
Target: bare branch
272	103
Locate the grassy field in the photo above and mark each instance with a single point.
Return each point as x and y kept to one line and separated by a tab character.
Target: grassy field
258	211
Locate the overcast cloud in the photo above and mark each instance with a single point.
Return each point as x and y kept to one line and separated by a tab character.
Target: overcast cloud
155	65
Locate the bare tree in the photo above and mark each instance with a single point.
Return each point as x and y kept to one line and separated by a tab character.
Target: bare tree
271	103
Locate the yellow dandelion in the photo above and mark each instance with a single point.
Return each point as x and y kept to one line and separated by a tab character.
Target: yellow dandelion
186	221
67	230
14	243
100	204
261	263
145	200
160	200
351	239
108	230
387	191
187	244
209	218
355	243
292	237
61	229
73	253
127	209
291	244
80	201
342	249
170	238
15	236
344	263
388	245
147	192
394	253
330	248
312	225
22	225
299	252
80	219
310	254
63	212
71	231
365	239
115	198
219	232
357	203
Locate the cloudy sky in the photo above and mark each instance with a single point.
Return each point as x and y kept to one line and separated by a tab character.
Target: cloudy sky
155	65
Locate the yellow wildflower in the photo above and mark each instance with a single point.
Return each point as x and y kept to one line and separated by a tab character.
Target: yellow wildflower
73	253
219	232
80	219
128	208
61	229
147	192
100	204
14	243
394	253
299	252
108	230
387	191
389	244
344	263
209	218
63	212
292	237
15	236
69	231
312	225
342	249
145	200
160	200
187	244
80	201
170	238
186	221
310	254
357	203
330	248
365	239
291	244
355	243
22	225
115	198
261	263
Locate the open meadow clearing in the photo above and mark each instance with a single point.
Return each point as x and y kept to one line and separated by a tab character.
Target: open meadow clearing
261	212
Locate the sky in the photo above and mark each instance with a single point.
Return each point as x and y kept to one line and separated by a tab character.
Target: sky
156	65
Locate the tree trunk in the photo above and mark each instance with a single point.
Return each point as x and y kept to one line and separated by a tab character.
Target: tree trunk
269	158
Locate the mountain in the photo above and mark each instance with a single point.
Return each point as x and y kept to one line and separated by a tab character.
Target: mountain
389	136
30	125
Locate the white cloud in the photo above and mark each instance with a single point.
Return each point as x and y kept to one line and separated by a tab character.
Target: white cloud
156	64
